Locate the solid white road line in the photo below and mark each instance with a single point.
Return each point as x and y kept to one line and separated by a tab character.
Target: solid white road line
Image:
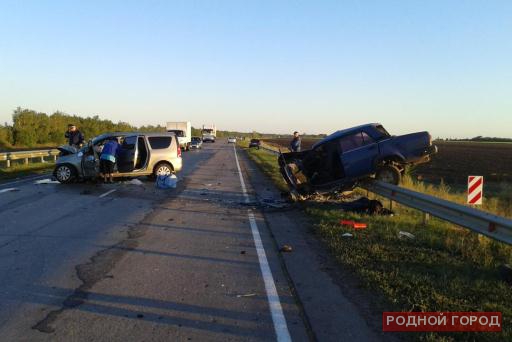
8	190
280	326
28	179
107	193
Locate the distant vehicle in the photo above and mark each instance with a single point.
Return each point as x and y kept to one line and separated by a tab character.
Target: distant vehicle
183	131
196	143
231	140
255	143
338	161
209	133
142	154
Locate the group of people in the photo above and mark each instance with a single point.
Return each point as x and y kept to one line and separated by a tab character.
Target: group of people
108	155
111	149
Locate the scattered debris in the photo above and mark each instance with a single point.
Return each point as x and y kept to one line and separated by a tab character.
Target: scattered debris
405	234
207	184
246	295
286	249
140	316
166	181
134	181
506	273
242	252
46	181
347	235
359	225
9	190
364	205
353	224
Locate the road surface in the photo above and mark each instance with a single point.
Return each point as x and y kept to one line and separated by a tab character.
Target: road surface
126	262
95	262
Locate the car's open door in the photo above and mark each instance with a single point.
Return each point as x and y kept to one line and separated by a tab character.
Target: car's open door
128	154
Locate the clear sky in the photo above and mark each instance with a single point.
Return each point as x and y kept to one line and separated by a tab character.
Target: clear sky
273	66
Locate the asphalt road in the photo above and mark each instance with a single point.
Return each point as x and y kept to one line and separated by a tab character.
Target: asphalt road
122	262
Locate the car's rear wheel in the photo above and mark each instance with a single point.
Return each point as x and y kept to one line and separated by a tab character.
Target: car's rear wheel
389	174
162	169
65	173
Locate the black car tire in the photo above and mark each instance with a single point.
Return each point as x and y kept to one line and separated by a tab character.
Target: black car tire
389	174
159	168
64	173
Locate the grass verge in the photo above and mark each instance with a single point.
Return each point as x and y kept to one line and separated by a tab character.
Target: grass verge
444	268
22	170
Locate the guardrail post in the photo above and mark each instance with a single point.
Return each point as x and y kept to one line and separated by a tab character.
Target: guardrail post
26	161
426	218
42	159
8	163
390	204
55	158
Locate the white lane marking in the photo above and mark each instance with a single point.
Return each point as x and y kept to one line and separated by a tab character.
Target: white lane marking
9	190
280	326
28	179
107	193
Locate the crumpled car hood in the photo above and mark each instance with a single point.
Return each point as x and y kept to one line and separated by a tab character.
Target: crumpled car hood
66	149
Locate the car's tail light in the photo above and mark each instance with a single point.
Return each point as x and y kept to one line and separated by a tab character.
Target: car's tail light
179	152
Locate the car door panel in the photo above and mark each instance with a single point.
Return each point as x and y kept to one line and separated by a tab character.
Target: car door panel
359	158
127	155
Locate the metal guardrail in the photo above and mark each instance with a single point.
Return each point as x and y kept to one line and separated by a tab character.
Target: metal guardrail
493	226
27	156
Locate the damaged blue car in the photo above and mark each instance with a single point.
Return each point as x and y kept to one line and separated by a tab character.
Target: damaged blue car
339	161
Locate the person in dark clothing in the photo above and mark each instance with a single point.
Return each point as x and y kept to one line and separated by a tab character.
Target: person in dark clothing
108	159
295	143
74	136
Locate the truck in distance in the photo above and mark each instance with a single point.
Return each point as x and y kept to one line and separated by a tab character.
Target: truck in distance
209	133
183	130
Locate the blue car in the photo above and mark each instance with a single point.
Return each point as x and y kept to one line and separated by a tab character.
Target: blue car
339	161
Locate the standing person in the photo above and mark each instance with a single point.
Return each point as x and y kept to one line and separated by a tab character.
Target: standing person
295	143
108	159
74	136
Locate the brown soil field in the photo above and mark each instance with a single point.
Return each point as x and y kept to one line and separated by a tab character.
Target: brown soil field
456	161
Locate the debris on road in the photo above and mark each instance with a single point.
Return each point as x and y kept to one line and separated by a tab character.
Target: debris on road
405	234
347	235
134	181
286	249
9	190
166	181
246	295
46	181
242	252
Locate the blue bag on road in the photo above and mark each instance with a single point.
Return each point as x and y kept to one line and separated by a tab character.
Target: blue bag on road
166	181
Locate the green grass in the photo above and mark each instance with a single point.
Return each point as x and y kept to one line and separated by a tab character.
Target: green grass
444	268
22	170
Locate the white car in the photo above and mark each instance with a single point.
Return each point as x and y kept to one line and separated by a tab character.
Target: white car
231	140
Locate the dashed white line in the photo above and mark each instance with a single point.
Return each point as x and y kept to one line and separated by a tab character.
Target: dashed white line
276	310
107	193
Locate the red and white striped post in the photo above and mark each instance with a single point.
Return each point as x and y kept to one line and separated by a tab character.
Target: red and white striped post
475	189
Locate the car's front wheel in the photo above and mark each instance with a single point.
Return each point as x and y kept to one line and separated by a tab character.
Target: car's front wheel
65	173
389	174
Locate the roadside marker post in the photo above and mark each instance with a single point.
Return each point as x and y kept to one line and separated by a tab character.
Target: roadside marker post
475	190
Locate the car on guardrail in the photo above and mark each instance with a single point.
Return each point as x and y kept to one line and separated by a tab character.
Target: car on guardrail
339	161
141	154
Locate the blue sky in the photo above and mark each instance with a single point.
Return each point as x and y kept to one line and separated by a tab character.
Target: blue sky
272	66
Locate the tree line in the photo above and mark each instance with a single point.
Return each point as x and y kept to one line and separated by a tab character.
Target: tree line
32	129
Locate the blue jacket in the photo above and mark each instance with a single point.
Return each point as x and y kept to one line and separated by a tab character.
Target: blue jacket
111	148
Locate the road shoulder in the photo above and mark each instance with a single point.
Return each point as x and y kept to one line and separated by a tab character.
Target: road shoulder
335	307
